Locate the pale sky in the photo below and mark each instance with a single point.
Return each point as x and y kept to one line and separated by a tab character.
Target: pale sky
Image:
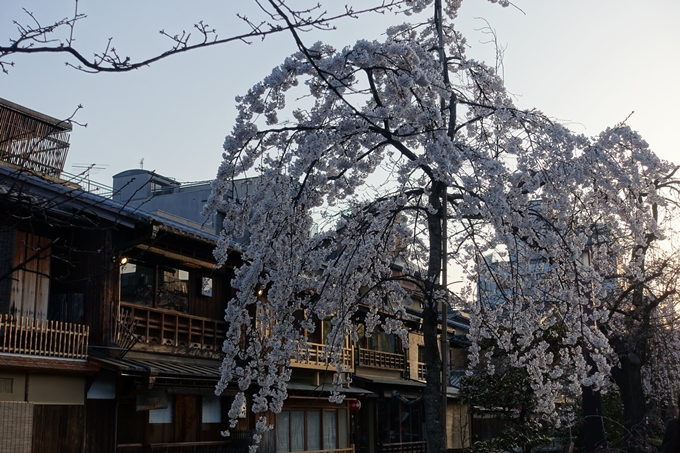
588	63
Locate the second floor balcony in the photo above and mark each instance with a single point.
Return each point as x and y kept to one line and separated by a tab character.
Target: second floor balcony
316	358
42	337
380	359
147	328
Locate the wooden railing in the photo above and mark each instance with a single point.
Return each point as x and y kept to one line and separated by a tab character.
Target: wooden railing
405	447
184	447
316	358
208	447
349	449
422	369
21	335
378	359
170	328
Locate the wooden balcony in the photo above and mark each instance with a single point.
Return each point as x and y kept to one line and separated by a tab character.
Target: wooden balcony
41	337
378	359
316	358
154	326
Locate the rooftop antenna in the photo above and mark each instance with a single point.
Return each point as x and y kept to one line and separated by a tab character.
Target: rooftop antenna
85	171
141	163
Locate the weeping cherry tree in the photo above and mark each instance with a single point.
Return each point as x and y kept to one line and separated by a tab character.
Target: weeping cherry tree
406	150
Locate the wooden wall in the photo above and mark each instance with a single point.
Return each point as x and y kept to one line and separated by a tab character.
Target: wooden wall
58	429
88	278
7	246
100	432
208	307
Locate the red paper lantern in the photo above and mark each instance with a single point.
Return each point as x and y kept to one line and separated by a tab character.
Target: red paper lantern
354	405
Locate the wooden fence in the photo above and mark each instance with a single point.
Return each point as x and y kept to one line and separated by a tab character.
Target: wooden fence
42	337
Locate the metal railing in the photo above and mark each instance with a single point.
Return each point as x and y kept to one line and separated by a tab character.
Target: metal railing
87	184
170	328
378	359
42	337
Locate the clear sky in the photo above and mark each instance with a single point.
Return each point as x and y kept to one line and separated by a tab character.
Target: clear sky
588	63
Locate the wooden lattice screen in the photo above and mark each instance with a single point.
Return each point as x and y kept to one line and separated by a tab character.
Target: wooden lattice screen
31	140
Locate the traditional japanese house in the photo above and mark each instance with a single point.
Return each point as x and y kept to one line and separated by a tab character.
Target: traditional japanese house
44	336
112	321
111	317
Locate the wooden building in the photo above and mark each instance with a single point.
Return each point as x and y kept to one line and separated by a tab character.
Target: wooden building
112	322
111	318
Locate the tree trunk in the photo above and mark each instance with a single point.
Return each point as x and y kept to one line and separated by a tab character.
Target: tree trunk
629	379
593	428
432	394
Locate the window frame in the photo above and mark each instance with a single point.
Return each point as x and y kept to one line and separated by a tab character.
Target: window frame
158	268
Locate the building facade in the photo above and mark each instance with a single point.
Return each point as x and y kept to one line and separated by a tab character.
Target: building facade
112	323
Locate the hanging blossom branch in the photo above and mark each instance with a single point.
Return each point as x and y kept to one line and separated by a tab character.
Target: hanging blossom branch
35	38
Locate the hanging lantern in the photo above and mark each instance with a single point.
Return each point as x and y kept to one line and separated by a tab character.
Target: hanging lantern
354	405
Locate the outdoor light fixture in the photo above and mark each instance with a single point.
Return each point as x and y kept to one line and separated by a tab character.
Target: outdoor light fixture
123	260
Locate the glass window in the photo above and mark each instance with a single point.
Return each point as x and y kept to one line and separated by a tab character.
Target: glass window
211	409
330	434
170	291
283	431
161	415
399	422
136	283
161	426
313	430
297	430
342	428
173	289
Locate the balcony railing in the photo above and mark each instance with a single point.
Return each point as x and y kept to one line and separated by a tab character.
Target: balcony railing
42	337
422	370
316	358
378	359
155	326
184	447
349	449
405	447
209	447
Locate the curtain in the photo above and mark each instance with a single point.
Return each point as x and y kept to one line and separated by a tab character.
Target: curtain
283	431
297	430
330	435
314	430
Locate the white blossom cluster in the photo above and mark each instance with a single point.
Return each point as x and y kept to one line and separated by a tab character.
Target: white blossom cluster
572	216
